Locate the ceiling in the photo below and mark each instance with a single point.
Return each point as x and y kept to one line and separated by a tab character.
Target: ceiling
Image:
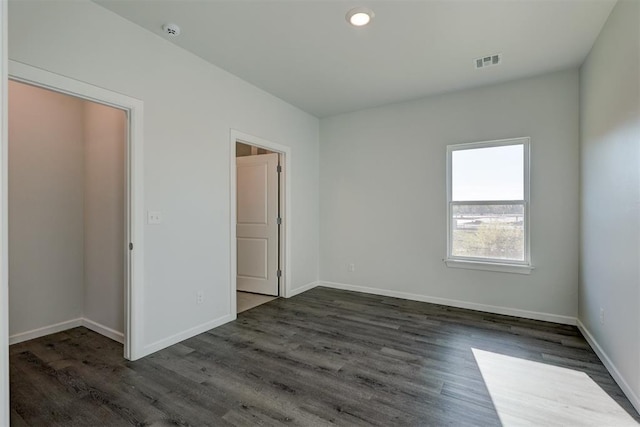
304	52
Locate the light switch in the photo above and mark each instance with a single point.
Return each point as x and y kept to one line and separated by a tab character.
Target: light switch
154	217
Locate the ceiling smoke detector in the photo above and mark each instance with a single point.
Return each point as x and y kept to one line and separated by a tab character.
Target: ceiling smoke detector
171	29
488	61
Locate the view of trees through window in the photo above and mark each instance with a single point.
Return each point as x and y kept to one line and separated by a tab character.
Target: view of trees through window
488	231
487	201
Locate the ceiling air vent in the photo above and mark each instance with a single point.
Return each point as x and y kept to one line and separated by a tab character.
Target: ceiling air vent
488	61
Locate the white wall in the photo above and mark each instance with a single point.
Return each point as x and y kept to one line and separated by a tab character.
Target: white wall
610	181
104	210
383	199
190	107
45	208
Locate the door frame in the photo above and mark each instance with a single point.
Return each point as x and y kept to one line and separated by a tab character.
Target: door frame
134	192
285	206
4	259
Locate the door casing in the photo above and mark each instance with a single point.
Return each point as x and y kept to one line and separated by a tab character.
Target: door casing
285	211
4	258
134	191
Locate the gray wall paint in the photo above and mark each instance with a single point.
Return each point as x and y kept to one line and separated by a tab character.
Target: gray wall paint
45	208
383	200
610	172
104	215
189	108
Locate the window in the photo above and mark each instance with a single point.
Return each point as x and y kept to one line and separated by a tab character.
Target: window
488	205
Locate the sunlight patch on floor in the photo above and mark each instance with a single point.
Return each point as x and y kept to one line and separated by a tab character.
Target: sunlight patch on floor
533	393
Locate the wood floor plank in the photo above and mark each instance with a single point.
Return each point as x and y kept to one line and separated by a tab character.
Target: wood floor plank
324	357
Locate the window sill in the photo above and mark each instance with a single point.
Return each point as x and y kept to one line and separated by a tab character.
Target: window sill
489	266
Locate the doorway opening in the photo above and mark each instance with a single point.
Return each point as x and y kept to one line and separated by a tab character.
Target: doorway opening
67	216
259	221
74	199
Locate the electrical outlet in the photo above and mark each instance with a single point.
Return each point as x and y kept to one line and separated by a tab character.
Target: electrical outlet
601	316
351	267
199	297
154	217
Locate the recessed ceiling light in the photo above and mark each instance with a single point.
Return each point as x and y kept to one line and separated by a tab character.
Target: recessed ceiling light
360	16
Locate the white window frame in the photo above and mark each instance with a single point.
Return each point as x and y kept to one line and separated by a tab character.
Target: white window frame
476	263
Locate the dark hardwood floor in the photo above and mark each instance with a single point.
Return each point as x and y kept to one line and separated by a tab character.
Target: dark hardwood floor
322	357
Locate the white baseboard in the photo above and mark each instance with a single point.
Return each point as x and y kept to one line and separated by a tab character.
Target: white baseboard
548	317
103	330
611	367
181	336
45	330
115	335
301	289
63	326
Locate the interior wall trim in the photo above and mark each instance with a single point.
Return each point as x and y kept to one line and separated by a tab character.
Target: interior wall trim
611	367
236	136
301	289
134	199
66	325
508	311
189	333
103	330
45	330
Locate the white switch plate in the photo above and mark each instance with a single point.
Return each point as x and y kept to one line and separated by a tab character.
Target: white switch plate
154	217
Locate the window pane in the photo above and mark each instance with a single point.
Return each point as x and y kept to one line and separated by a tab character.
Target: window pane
488	231
492	173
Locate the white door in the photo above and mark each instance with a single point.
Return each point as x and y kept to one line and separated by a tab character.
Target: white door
257	223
